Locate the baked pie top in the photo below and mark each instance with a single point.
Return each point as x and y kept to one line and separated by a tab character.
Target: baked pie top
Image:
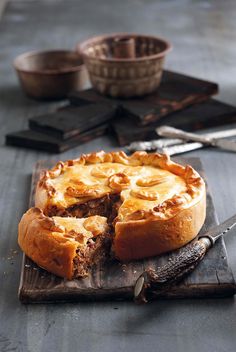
64	230
80	230
150	185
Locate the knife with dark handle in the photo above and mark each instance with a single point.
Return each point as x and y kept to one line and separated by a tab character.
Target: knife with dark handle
167	131
153	283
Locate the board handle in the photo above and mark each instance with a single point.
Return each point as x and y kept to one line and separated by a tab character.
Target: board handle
152	283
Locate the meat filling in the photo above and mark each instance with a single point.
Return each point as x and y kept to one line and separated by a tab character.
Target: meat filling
96	251
105	206
98	248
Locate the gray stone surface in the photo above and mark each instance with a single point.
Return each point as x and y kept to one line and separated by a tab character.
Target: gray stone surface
203	35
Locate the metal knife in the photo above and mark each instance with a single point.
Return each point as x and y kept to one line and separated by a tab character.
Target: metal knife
166	131
182	148
156	144
153	283
173	146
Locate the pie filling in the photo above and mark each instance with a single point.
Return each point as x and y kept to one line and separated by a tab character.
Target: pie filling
106	206
97	248
92	236
96	251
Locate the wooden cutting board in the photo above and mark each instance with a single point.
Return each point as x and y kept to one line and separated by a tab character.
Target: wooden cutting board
114	281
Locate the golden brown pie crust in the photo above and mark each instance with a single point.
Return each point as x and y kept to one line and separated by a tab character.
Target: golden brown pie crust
54	243
162	204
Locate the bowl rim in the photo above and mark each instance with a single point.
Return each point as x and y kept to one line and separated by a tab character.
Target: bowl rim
57	71
80	47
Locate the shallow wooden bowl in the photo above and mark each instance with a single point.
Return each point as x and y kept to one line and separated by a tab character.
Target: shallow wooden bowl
50	74
124	65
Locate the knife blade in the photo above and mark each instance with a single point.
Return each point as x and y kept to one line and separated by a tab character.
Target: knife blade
153	283
156	144
182	148
167	131
176	146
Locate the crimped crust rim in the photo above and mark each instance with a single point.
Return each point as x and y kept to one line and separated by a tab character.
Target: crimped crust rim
166	210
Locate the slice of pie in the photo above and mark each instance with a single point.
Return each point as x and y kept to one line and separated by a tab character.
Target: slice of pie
66	247
152	204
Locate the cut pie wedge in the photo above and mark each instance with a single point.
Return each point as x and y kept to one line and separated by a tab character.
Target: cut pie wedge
67	247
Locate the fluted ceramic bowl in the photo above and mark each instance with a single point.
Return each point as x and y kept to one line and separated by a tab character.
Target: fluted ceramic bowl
124	65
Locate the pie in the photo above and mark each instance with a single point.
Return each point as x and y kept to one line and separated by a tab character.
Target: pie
61	245
145	204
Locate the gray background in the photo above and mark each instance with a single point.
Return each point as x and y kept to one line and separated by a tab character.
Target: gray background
203	34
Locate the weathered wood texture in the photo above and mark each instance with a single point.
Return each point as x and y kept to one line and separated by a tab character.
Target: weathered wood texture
41	141
196	117
69	122
114	281
91	113
203	34
49	131
176	92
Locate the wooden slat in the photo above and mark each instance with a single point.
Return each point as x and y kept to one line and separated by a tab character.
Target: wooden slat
211	113
69	122
176	92
41	141
113	280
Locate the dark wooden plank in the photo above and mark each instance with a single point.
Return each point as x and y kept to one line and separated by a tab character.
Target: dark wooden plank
114	281
72	121
90	96
207	114
36	140
80	124
203	33
176	92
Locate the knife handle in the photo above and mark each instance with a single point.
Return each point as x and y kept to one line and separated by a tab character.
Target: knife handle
166	131
152	283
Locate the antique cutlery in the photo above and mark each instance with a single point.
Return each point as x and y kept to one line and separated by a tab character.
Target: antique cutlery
167	131
174	146
153	283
